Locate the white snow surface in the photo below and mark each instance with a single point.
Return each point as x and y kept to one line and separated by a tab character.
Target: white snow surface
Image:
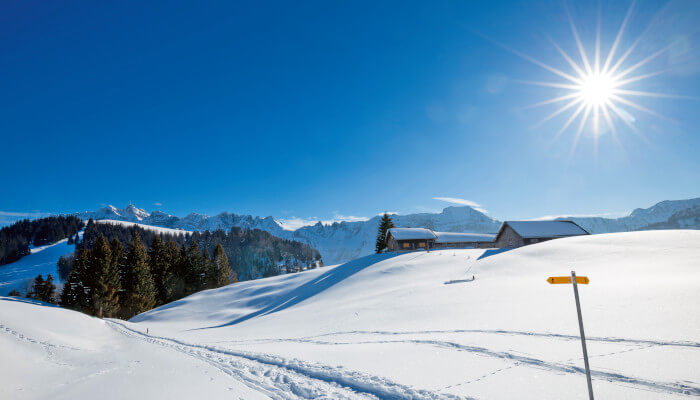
52	353
42	260
398	326
157	229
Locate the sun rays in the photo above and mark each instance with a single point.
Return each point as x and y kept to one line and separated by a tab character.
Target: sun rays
594	93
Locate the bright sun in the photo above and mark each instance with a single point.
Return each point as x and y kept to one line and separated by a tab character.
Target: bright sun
595	91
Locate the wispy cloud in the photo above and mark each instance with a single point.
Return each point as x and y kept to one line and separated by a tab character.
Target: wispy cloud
157	204
344	218
462	202
8	217
294	223
457	200
553	217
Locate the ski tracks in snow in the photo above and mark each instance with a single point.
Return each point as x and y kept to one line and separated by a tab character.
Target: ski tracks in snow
685	388
281	378
49	348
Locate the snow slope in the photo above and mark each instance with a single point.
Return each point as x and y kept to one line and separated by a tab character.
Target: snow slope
416	325
506	334
406	326
157	229
48	352
42	260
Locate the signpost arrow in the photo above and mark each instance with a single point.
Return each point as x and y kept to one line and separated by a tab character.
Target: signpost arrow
576	280
583	280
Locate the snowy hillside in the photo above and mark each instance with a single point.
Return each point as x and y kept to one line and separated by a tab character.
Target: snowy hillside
42	260
658	216
52	353
157	229
407	326
340	242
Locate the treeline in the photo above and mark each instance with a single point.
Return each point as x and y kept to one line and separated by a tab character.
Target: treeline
113	280
16	238
120	271
252	253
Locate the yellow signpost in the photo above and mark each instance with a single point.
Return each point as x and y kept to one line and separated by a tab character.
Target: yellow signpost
583	280
553	280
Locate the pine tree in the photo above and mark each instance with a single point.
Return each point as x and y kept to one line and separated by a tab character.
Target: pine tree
48	290
159	265
105	280
173	282
118	261
37	288
67	298
176	282
14	293
194	268
208	267
384	225
219	272
75	293
138	284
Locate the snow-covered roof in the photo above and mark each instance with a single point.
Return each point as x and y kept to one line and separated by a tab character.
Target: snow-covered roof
411	233
452	237
536	229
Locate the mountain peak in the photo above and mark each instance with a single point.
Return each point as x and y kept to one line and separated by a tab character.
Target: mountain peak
136	212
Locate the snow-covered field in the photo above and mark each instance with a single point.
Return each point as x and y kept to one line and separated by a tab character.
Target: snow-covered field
392	326
42	260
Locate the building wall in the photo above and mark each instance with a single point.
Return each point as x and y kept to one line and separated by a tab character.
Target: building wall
509	238
400	245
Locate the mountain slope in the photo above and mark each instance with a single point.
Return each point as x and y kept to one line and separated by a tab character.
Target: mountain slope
658	216
17	275
343	241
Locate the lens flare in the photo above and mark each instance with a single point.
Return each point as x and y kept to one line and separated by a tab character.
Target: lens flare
596	90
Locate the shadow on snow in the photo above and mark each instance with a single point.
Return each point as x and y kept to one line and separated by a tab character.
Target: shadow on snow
312	287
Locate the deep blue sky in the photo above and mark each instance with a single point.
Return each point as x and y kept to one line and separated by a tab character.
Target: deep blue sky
318	109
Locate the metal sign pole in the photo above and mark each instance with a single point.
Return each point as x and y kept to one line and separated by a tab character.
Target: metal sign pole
583	336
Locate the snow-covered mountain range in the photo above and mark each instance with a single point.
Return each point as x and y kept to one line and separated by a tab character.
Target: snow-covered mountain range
343	241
